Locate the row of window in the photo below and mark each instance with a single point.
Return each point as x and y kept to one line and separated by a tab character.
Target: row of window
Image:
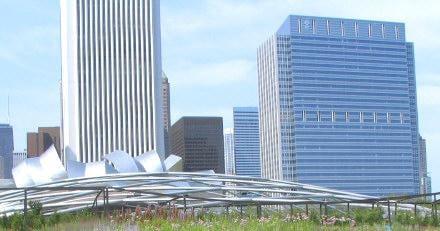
383	31
354	117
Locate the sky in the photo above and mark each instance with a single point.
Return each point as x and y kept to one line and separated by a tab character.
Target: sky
208	53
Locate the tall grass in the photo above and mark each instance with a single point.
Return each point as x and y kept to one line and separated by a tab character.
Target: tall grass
172	218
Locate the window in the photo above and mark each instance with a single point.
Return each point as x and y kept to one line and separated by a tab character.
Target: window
328	27
383	31
397	32
381	117
342	28
356	29
369	30
340	117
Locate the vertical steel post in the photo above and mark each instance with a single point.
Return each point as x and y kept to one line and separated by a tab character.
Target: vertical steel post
320	209
184	204
435	207
107	196
259	211
389	212
395	209
241	210
415	210
227	210
25	208
307	209
325	209
25	203
348	208
104	198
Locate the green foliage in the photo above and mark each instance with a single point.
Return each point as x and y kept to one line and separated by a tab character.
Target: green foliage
408	218
315	217
368	216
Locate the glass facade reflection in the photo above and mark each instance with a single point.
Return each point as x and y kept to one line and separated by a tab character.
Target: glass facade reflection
338	105
246	142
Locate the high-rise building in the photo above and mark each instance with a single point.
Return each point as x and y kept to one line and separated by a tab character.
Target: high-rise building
428	184
228	136
18	157
39	142
6	150
1	167
111	78
199	141
166	112
247	141
424	178
338	105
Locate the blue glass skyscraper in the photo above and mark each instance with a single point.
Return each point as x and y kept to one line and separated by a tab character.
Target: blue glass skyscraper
247	141
6	150
338	105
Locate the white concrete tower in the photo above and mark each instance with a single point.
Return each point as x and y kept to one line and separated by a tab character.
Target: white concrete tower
111	78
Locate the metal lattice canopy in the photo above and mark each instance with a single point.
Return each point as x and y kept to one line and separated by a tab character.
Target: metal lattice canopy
121	180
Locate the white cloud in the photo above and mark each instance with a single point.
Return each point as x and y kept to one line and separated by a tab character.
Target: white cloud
215	74
224	112
428	96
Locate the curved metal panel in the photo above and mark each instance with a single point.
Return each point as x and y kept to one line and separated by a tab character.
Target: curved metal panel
37	172
122	162
150	162
21	176
100	168
173	164
75	169
51	164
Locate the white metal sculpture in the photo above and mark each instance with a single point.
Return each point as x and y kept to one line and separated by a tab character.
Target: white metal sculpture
122	162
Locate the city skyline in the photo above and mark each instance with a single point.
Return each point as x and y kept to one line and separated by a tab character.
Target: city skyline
247	98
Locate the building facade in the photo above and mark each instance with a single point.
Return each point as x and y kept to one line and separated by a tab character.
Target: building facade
424	177
111	78
166	112
6	150
338	105
18	157
247	141
199	141
229	151
39	142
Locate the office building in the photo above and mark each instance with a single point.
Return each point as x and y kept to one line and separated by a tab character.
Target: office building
247	141
338	105
18	157
199	141
39	142
1	167
228	136
166	112
6	150
428	184
424	178
111	78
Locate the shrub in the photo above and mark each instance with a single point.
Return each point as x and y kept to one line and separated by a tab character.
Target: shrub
315	217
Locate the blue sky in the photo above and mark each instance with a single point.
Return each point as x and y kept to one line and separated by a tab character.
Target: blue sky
209	54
